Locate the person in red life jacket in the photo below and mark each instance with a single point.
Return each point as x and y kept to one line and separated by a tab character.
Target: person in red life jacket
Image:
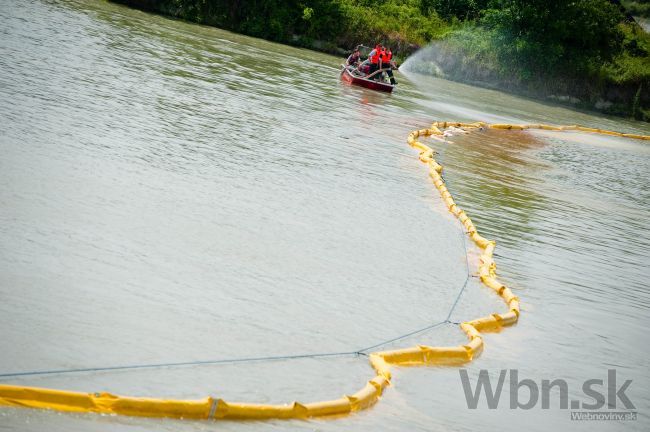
386	62
375	53
374	56
383	58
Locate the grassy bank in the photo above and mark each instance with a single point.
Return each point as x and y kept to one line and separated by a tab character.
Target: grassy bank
582	52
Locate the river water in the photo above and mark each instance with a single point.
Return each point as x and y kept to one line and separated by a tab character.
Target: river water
172	192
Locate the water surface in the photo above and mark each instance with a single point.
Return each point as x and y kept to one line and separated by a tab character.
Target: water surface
171	192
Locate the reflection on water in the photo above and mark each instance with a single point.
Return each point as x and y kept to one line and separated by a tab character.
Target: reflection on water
172	192
498	167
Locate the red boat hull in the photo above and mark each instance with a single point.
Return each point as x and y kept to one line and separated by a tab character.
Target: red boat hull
347	76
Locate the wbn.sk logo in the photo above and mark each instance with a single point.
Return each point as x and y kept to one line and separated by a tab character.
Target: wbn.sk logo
599	391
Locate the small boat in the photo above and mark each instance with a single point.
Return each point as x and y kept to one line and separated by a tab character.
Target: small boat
356	78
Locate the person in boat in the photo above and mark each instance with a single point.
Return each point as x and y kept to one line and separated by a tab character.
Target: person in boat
373	58
364	67
386	62
354	59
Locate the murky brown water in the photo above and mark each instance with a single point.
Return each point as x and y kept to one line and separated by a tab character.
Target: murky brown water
171	192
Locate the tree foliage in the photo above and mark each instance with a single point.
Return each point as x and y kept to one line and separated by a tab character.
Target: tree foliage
568	34
341	22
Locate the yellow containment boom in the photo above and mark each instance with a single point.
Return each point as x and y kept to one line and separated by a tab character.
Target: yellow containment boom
214	409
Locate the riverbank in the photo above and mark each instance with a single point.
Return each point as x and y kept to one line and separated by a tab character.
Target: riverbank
586	56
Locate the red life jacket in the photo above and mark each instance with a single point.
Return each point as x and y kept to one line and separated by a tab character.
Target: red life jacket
386	56
383	56
375	58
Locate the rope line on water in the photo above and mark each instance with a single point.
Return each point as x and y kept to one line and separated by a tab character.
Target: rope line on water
404	336
179	364
460	293
210	408
467	269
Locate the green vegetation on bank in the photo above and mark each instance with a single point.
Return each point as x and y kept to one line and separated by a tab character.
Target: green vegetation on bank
639	8
576	50
582	51
333	26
